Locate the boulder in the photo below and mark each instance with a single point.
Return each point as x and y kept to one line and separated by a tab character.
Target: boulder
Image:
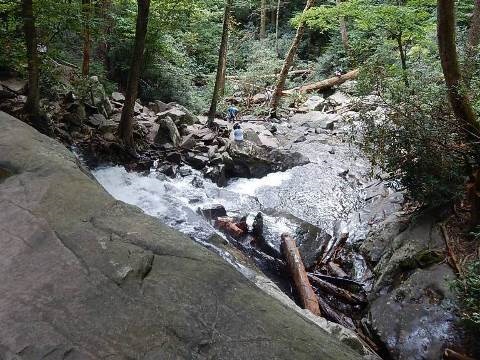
250	160
197	182
97	120
217	174
15	85
196	161
158	106
259	98
417	319
118	97
213	212
167	132
188	142
174	157
339	98
5	93
179	115
317	119
85	276
314	103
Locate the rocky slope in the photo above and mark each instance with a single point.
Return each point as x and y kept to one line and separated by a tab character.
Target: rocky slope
84	276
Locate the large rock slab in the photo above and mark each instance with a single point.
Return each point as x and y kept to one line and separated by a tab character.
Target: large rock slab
85	276
250	160
417	319
316	119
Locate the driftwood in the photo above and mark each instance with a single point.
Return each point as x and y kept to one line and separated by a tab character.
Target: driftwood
334	248
337	280
290	73
229	226
297	271
334	315
342	294
450	354
324	84
336	270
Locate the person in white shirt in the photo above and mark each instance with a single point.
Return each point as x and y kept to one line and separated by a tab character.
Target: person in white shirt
237	133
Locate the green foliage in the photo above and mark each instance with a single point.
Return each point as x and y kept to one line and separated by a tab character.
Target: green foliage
418	140
468	292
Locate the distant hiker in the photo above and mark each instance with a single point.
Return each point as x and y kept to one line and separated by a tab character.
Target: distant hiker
232	112
237	133
338	72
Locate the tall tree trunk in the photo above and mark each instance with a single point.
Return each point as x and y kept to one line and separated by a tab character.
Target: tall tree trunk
32	106
273	12
282	77
448	56
263	18
125	128
403	59
473	40
221	66
343	31
86	14
277	20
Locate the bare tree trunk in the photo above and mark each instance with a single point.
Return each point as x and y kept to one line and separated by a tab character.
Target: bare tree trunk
472	44
221	66
277	20
403	59
300	278
263	18
343	31
448	56
125	128
32	106
86	13
324	84
282	77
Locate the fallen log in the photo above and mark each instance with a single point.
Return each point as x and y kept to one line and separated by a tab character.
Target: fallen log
339	293
290	73
336	270
324	84
333	315
299	275
229	226
337	280
451	354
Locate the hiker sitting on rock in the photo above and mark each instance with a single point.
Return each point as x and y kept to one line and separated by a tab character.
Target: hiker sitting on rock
232	112
237	133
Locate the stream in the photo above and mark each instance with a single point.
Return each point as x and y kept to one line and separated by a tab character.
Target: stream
328	194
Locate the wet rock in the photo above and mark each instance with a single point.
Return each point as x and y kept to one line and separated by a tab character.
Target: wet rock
118	97
315	102
174	157
217	174
196	161
184	171
213	212
380	237
197	182
273	129
250	160
310	240
212	151
331	151
169	170
417	319
167	132
137	108
301	138
420	245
